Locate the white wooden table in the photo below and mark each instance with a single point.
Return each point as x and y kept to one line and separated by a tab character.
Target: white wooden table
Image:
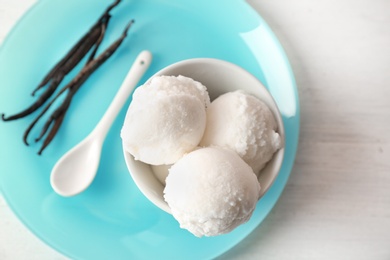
337	202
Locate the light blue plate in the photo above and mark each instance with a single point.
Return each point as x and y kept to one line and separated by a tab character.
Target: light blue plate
112	219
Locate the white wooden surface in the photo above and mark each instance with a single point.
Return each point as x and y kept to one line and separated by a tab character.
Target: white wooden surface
337	202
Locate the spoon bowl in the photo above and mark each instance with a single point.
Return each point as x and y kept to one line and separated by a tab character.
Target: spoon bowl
219	77
65	180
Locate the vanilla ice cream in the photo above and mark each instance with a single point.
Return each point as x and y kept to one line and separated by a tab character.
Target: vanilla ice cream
165	120
244	124
211	191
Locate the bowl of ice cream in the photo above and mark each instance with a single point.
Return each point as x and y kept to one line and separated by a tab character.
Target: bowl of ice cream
203	140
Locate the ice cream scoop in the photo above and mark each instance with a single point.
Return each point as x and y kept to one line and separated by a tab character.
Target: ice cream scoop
244	124
219	77
211	191
165	120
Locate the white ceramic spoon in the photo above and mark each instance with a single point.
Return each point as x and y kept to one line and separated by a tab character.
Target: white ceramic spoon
76	169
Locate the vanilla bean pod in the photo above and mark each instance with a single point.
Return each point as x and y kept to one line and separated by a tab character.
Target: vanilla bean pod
82	46
52	133
73	57
106	16
92	38
56	118
56	114
37	104
99	41
69	65
31	126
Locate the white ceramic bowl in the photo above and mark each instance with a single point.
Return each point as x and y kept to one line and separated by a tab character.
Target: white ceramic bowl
219	77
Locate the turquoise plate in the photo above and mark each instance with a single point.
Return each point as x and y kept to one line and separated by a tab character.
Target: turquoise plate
112	219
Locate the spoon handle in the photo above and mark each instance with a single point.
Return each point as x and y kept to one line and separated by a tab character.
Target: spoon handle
137	70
